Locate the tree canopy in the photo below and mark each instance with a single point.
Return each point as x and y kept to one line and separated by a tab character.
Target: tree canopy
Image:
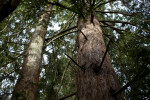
126	23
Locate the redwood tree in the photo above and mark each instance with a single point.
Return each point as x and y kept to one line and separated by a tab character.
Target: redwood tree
27	84
97	79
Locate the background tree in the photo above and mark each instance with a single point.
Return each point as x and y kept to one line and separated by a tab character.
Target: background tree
7	7
27	84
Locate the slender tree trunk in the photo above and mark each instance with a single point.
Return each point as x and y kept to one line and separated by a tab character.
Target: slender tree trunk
94	83
27	85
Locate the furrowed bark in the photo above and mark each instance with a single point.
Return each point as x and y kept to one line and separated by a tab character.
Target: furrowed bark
93	85
26	87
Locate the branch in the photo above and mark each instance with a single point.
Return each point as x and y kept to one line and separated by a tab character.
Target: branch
17	43
98	68
70	95
93	3
59	36
111	21
116	29
115	21
123	13
61	32
12	61
62	6
62	78
136	78
104	3
6	76
119	30
105	54
83	69
83	35
123	88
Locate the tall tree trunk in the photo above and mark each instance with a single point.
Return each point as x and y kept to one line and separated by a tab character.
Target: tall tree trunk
94	83
27	85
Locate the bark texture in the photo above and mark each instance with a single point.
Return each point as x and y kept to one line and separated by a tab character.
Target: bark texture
7	7
92	84
27	85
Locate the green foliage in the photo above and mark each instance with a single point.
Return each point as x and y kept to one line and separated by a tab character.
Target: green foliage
129	51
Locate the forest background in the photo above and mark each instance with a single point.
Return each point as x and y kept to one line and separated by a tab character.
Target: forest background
125	25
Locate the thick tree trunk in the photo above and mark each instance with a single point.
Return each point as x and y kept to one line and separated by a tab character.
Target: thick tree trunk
7	7
94	83
27	84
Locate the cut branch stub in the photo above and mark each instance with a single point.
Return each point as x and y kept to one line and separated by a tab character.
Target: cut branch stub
83	69
97	69
83	35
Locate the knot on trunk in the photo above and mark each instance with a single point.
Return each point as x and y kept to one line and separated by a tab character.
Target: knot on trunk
95	68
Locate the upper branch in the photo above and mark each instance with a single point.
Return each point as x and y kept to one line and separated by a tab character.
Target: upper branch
139	75
114	28
59	36
62	6
123	13
104	3
115	21
69	29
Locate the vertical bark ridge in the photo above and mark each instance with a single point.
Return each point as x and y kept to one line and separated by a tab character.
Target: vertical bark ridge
91	85
26	87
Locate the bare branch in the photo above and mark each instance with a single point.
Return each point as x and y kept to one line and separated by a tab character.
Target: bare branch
62	78
105	3
62	6
105	54
83	35
12	61
83	69
18	43
116	29
115	21
111	21
99	67
93	3
59	36
117	12
136	78
71	28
